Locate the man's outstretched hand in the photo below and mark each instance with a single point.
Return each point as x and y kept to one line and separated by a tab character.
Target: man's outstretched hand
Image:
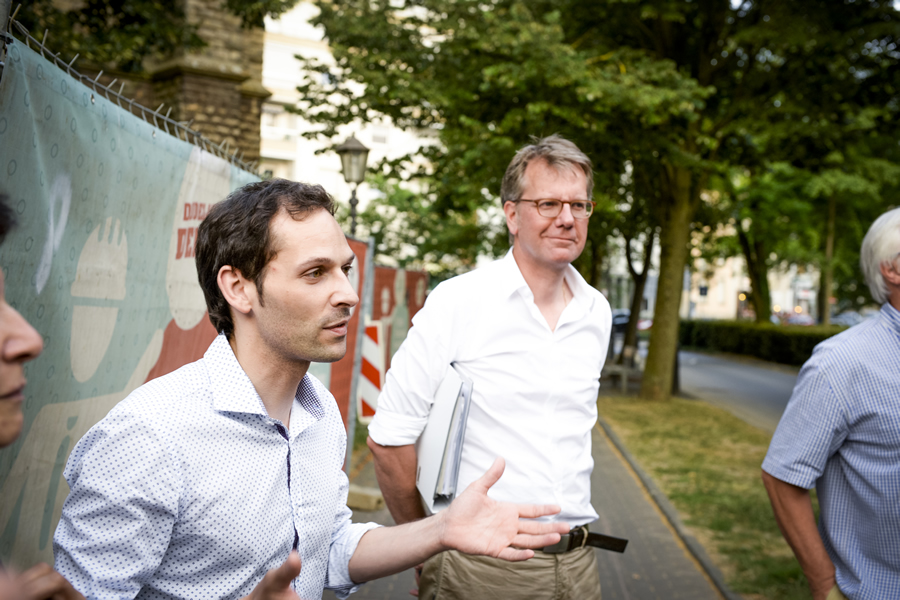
276	585
40	582
477	524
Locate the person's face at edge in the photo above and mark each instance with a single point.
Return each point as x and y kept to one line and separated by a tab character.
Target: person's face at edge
19	343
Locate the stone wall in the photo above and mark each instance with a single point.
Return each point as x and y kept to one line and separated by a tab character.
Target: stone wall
219	87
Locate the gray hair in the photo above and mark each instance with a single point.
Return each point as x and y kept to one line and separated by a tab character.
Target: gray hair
558	152
880	246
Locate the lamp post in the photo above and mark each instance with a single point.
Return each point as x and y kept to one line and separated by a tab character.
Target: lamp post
353	164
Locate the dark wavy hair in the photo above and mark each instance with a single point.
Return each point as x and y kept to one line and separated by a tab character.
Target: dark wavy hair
236	232
7	216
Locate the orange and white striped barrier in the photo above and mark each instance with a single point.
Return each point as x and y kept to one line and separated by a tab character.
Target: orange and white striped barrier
371	371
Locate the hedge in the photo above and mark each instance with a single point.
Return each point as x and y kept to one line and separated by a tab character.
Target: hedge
787	344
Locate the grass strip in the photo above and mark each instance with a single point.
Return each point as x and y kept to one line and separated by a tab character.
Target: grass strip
707	462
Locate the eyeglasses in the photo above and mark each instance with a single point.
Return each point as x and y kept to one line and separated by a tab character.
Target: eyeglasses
551	207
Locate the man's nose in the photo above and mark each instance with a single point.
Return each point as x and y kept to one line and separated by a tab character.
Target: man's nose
345	294
21	341
565	218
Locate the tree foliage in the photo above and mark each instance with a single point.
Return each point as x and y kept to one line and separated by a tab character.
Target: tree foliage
120	34
690	92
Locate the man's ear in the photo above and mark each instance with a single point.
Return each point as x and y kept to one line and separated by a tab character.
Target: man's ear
509	209
890	272
239	293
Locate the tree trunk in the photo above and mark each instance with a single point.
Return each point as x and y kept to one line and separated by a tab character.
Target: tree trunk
680	204
758	271
629	344
828	272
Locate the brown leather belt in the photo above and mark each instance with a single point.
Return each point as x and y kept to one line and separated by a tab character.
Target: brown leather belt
580	537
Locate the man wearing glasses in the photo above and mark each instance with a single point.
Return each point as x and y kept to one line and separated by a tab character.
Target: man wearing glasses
532	335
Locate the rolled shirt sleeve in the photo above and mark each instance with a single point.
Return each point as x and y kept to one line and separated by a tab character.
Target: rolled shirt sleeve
344	539
415	374
118	518
811	430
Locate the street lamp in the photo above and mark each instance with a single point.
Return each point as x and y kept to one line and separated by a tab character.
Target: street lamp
353	164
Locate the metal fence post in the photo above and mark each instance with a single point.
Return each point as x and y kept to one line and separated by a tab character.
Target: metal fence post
5	6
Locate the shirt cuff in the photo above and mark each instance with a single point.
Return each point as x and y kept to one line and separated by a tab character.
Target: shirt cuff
390	428
339	570
794	473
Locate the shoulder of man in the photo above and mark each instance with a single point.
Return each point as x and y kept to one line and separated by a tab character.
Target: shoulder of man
158	403
467	287
850	345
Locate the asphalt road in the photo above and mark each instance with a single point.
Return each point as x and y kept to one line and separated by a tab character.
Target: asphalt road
753	390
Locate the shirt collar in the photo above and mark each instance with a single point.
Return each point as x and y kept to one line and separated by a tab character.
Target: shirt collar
891	316
234	392
511	281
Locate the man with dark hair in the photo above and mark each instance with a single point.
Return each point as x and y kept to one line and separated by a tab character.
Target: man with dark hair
532	335
20	343
224	478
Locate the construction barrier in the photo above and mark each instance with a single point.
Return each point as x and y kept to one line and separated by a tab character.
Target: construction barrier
102	264
397	296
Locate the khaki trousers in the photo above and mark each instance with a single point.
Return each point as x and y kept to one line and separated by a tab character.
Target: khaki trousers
454	576
836	594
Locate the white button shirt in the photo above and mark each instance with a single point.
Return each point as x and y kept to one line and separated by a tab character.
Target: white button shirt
188	489
535	394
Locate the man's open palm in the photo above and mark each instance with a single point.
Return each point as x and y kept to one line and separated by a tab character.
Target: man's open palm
477	524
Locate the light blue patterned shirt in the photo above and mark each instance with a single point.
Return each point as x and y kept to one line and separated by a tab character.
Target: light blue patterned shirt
188	489
841	432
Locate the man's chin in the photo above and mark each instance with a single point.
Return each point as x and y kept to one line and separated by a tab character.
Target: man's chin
331	354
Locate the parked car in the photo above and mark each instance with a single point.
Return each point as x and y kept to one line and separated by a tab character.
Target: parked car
848	318
620	318
800	319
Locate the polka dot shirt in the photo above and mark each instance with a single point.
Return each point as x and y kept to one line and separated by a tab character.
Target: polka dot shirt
188	489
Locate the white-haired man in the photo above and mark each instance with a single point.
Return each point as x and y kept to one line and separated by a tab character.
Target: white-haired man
532	335
841	432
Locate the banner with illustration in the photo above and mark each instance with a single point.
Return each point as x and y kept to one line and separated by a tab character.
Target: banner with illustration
102	264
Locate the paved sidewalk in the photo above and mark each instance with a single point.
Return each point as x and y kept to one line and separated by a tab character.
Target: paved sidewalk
657	565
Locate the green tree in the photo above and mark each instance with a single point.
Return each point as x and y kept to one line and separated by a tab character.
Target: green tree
409	234
120	34
690	89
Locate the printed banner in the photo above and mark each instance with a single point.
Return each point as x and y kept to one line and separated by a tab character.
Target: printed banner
102	264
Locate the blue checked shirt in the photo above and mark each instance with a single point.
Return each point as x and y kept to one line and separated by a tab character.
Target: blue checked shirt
188	489
841	432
